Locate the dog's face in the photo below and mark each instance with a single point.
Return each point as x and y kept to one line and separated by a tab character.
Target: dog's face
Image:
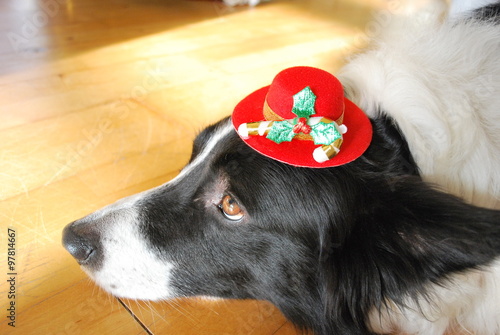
233	224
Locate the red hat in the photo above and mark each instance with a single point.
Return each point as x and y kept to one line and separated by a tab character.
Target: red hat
303	119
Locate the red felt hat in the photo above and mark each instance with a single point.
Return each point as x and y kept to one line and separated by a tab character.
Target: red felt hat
303	119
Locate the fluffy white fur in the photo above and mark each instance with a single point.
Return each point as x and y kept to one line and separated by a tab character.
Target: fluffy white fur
439	79
468	304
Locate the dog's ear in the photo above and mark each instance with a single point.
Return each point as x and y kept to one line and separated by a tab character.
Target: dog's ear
431	225
405	234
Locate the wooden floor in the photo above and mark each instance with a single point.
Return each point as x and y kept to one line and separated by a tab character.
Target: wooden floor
100	100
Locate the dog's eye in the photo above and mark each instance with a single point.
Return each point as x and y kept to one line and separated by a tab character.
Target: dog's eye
230	208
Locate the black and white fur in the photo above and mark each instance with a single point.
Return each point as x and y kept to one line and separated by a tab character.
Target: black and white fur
383	244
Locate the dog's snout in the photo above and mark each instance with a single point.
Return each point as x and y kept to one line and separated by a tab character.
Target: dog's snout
81	243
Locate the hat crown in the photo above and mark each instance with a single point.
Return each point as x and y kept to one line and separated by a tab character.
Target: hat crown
327	89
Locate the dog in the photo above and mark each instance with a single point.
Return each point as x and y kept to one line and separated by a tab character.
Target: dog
402	236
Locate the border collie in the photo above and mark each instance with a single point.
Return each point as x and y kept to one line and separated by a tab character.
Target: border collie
406	238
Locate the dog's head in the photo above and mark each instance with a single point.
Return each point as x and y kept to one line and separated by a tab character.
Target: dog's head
232	224
236	224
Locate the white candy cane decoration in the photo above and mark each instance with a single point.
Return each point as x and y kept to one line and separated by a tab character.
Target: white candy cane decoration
320	154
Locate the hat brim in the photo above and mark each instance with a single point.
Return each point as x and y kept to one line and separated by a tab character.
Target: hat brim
300	152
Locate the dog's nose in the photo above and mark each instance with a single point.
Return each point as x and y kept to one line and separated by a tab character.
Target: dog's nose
81	244
76	245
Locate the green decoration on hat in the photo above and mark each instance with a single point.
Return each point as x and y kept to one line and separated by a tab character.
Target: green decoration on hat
303	107
303	103
325	133
281	131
